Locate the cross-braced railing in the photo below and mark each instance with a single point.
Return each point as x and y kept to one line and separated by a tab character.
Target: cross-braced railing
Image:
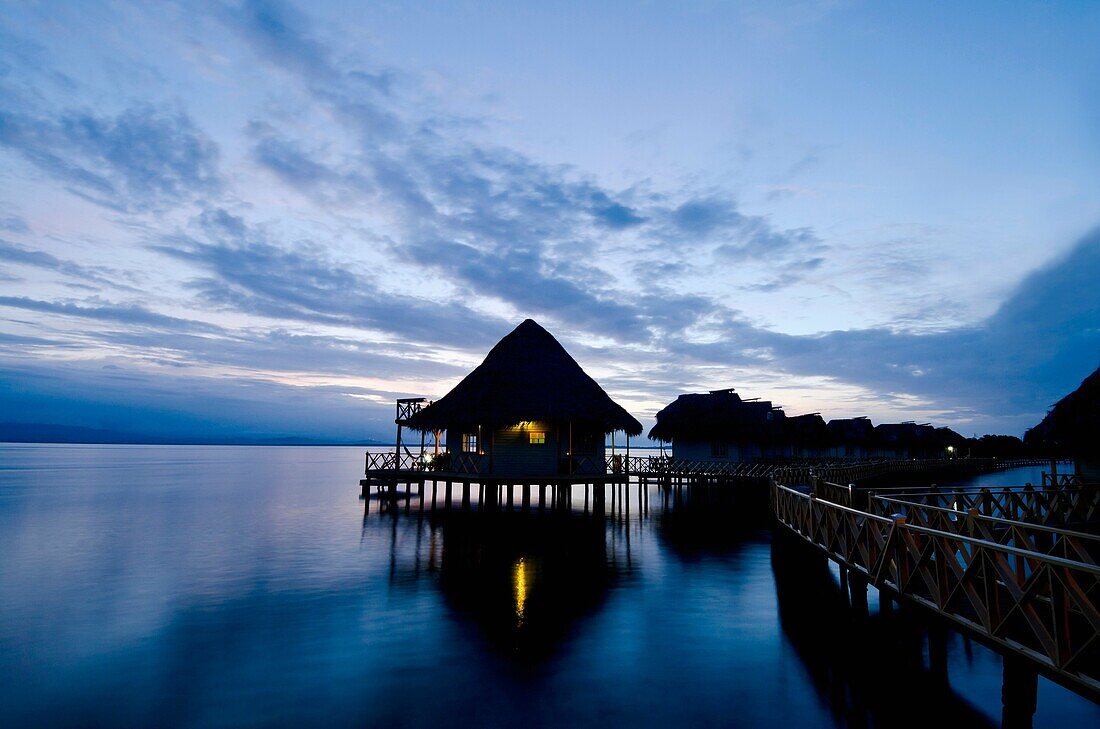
669	466
1065	543
464	463
390	461
1050	506
1061	479
408	407
1042	606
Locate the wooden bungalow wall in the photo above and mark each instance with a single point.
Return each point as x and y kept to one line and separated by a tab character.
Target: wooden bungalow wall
515	455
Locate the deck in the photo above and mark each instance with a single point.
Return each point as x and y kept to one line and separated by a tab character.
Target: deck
999	564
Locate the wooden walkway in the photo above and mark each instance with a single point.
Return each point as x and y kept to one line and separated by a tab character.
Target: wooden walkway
405	476
988	561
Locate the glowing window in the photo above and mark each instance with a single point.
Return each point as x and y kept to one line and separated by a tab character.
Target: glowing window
536	438
469	442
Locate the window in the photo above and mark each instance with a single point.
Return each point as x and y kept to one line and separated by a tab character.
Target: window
719	449
469	442
536	438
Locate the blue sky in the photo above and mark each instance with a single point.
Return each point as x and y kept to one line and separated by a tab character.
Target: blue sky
264	218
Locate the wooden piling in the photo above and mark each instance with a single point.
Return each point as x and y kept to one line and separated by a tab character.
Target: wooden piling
1019	689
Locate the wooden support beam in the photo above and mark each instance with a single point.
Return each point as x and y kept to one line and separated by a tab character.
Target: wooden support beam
1019	689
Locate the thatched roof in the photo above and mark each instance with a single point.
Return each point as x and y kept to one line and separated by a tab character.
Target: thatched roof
851	431
1073	424
528	375
806	430
713	415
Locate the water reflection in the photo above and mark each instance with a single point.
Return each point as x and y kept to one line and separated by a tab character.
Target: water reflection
704	521
522	581
869	670
521	574
214	586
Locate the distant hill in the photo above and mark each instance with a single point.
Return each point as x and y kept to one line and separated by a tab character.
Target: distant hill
50	433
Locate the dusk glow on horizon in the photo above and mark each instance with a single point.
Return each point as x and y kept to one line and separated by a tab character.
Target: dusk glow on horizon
268	219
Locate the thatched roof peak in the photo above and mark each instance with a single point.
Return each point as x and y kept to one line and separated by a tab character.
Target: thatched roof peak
712	414
528	375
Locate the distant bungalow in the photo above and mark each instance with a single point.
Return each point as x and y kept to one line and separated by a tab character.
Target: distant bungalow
851	437
720	425
527	410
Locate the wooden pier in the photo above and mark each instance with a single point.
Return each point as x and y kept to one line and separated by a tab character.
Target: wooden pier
452	490
989	561
403	477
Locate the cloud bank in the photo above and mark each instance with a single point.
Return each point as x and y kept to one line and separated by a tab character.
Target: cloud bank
340	237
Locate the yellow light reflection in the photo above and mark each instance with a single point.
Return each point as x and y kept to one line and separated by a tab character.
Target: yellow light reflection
521	579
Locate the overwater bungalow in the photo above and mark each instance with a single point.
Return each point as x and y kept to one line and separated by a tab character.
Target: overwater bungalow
910	440
807	435
528	410
719	425
916	440
850	437
902	440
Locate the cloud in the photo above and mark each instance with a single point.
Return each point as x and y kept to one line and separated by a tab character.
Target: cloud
792	274
131	314
14	224
457	239
140	159
39	259
1008	368
265	352
739	237
251	274
157	402
488	218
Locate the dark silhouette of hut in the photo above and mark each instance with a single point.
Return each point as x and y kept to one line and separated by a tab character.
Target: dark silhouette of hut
850	437
719	425
916	440
807	435
1072	428
527	410
899	440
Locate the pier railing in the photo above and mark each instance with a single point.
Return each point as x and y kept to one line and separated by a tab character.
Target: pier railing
667	466
1041	606
390	461
477	463
1046	506
1065	543
849	473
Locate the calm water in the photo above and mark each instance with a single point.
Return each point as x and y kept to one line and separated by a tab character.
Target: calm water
220	586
